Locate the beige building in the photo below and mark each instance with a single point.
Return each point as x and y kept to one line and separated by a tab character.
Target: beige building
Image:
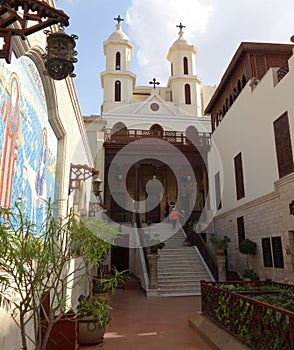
252	186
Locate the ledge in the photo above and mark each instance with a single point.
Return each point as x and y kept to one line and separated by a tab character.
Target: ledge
214	335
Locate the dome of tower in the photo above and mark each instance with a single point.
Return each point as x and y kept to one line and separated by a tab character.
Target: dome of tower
181	41
118	35
181	44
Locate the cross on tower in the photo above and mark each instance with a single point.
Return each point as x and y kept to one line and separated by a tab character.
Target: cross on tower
154	82
181	26
118	19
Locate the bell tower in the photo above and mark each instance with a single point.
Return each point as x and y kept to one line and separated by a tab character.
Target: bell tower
117	80
184	84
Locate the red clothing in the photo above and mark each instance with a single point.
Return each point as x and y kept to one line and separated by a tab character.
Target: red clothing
174	214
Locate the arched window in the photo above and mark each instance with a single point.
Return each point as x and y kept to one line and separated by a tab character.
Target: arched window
244	81
156	130
192	134
187	94
185	62
117	92
117	61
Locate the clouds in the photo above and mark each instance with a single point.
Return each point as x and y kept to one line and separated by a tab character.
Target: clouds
152	27
215	27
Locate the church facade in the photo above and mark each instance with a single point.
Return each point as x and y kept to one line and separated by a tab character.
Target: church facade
151	134
236	180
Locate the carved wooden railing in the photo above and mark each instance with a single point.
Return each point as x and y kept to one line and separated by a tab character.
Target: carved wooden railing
283	71
126	136
259	325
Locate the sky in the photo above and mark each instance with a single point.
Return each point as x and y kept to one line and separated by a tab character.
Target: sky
215	27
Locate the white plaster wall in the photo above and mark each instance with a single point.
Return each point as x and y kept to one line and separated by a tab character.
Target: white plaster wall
248	128
126	52
177	60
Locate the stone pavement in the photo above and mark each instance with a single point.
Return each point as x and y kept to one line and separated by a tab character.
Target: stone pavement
140	323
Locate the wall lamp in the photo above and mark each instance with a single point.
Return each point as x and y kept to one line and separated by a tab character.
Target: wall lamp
60	55
96	186
79	173
291	206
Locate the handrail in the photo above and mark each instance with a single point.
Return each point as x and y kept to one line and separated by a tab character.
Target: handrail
206	254
125	136
141	260
197	240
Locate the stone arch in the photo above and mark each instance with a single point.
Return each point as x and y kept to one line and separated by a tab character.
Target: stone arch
117	91
187	94
119	126
192	134
185	65
156	130
117	61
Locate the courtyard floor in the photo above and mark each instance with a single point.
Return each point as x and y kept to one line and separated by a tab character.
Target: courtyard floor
140	323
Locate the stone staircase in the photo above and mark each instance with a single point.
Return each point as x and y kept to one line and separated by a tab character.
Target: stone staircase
180	268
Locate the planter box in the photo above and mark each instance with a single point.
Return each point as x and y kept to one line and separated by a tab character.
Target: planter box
63	335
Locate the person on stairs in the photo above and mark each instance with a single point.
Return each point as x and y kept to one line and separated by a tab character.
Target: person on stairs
174	216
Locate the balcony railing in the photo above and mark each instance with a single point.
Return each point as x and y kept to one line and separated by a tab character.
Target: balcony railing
283	71
257	324
126	136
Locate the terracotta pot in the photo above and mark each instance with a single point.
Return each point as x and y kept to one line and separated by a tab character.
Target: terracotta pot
101	296
63	335
220	252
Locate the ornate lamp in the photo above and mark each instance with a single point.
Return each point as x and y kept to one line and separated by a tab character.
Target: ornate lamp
96	186
60	54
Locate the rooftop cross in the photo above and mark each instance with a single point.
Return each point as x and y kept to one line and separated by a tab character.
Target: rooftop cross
181	26
154	82
118	19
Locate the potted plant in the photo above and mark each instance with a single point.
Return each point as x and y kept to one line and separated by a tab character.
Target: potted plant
93	252
94	316
154	243
220	244
248	247
105	282
36	266
250	275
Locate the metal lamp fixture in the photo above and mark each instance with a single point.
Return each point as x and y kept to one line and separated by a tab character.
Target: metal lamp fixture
60	55
96	186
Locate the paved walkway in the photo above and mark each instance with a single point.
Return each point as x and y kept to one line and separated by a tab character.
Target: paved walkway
140	323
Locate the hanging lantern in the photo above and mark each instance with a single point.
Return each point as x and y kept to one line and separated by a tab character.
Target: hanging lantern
60	58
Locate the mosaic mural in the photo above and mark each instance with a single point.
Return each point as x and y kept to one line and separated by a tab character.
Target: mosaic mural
28	145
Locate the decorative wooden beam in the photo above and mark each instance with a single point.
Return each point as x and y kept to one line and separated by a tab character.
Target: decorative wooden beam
25	17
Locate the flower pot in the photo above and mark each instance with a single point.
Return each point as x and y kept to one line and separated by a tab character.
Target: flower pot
101	296
90	332
220	252
63	335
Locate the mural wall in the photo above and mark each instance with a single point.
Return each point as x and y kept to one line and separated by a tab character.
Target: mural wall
28	145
